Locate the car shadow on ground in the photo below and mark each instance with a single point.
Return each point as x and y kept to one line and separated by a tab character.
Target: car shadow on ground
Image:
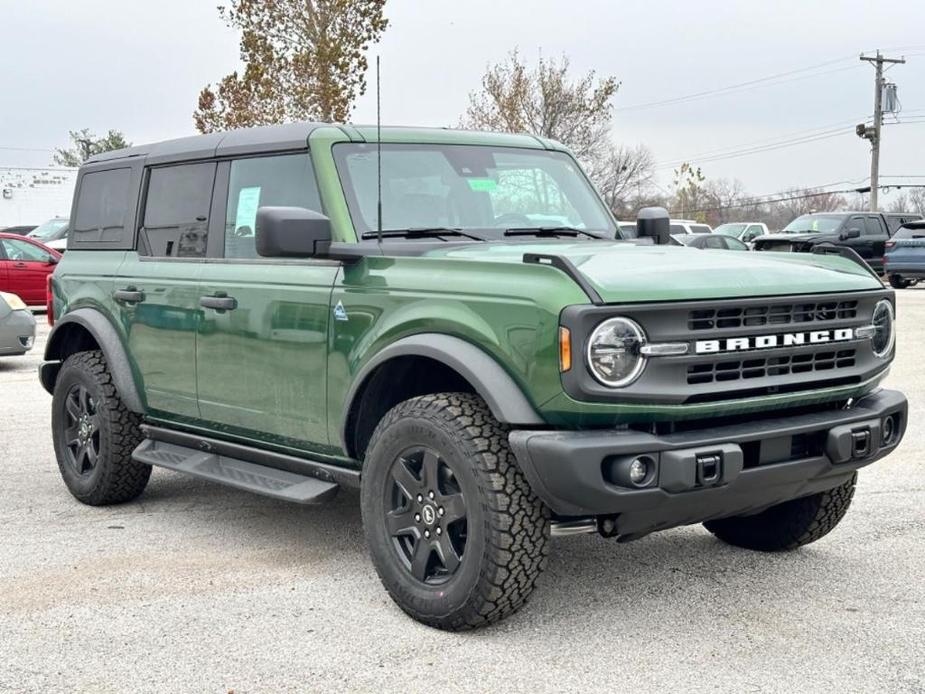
587	577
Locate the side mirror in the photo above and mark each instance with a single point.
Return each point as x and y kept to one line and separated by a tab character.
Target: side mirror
52	260
652	222
851	233
291	232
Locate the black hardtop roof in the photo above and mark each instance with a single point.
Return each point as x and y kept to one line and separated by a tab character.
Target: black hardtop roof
268	138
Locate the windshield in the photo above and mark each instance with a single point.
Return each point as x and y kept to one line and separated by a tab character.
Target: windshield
48	230
472	188
734	230
824	223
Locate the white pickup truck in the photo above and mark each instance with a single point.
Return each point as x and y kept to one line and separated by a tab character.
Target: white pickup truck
746	232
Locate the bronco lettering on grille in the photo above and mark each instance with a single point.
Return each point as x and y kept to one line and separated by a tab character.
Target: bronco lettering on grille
741	344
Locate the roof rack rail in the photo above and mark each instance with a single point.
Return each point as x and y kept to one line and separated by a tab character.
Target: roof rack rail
844	252
566	266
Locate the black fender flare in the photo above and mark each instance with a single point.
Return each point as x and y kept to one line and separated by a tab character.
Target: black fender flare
106	336
493	384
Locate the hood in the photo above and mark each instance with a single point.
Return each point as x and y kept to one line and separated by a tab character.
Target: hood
624	272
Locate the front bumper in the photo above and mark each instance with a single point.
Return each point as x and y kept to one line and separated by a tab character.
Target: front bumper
707	473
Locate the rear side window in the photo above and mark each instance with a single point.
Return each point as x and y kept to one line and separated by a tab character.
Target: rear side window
700	229
103	208
873	227
677	229
287	180
176	218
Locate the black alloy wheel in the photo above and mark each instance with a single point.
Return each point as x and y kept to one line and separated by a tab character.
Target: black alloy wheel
82	430
426	515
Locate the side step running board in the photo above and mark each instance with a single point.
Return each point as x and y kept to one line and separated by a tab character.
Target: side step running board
279	484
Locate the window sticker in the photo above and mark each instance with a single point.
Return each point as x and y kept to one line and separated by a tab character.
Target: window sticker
248	202
482	184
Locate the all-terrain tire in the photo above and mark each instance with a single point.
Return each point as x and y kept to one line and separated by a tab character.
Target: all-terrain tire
113	477
897	282
788	525
507	526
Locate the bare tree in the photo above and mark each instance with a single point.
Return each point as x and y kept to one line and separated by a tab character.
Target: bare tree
544	101
622	173
303	60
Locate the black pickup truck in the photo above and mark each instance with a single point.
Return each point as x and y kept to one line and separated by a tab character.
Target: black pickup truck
864	232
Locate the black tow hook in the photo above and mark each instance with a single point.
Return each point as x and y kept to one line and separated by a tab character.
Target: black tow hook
607	526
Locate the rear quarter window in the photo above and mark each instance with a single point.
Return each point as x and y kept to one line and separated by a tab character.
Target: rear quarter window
102	210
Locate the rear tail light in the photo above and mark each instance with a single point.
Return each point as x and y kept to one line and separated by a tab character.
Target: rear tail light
49	302
889	244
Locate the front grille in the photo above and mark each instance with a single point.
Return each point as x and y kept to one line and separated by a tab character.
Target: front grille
771	314
740	369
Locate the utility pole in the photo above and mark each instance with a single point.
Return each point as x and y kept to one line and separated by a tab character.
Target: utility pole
873	133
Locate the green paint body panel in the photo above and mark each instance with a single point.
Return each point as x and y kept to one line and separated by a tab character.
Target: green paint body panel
276	371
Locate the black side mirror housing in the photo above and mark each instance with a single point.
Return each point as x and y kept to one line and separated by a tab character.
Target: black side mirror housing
52	260
851	233
291	232
652	222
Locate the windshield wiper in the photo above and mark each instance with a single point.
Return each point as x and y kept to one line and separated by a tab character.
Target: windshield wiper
420	233
553	231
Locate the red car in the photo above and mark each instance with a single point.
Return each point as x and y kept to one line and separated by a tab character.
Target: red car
24	267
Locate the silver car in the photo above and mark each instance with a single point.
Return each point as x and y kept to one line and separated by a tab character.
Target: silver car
17	326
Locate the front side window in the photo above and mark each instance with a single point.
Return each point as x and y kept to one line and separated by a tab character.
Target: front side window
873	227
729	229
176	218
49	231
286	180
479	188
24	251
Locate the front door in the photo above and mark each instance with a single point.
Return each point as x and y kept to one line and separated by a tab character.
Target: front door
27	268
157	287
261	351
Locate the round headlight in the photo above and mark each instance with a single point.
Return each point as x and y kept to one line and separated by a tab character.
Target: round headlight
884	336
614	355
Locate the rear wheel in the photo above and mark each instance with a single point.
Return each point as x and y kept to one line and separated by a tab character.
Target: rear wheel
455	532
897	282
788	525
95	434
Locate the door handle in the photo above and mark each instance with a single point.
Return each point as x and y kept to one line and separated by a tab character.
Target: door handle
219	303
20	264
129	295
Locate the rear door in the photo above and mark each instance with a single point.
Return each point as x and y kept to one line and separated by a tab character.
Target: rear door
261	360
157	287
27	267
875	236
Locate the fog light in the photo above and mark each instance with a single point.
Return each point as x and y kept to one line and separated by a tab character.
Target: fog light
639	471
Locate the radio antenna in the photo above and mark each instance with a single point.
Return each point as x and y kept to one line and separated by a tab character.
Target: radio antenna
378	158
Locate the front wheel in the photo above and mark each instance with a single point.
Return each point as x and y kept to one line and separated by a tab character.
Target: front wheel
788	525
897	282
456	534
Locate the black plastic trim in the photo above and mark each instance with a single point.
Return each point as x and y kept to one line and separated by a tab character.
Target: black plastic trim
568	267
828	248
493	384
109	342
279	461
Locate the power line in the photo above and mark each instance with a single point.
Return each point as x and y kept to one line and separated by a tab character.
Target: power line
743	86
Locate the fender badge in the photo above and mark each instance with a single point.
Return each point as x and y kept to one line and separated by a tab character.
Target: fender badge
340	313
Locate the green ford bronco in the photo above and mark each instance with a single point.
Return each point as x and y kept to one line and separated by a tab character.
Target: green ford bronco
451	323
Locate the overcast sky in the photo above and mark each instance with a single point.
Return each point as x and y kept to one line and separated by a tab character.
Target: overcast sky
138	67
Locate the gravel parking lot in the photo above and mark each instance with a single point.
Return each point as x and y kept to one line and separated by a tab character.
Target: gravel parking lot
198	588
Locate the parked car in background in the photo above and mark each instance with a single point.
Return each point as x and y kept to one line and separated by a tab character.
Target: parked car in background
24	267
17	326
895	220
688	226
746	232
716	242
904	256
21	229
52	233
866	233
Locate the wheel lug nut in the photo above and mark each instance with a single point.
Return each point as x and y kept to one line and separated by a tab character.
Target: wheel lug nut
439	531
427	533
420	498
417	517
430	494
440	511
